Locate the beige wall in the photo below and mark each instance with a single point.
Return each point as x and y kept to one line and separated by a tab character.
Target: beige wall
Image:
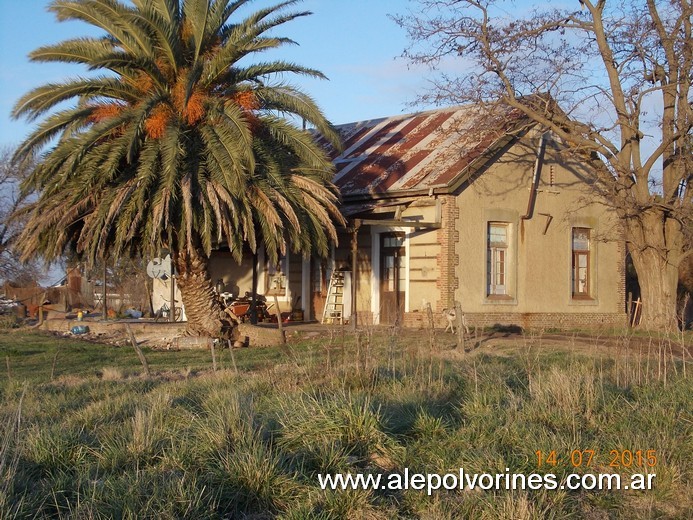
161	295
237	279
423	260
540	258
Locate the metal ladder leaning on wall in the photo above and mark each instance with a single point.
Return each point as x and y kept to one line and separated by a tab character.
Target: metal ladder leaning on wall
334	305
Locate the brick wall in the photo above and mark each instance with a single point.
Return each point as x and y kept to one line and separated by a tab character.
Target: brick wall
447	260
564	321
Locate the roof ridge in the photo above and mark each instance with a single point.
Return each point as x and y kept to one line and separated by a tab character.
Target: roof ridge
409	115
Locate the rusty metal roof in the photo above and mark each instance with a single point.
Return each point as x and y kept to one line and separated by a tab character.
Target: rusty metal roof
420	151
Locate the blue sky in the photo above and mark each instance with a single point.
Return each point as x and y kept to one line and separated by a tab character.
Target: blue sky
353	42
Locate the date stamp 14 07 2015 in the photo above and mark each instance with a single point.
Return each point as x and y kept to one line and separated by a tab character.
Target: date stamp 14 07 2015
587	458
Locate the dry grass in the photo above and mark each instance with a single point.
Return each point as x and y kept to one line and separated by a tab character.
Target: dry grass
112	374
194	443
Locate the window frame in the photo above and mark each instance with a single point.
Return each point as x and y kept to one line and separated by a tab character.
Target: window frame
576	254
497	254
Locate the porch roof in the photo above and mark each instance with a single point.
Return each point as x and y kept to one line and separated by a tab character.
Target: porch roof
422	151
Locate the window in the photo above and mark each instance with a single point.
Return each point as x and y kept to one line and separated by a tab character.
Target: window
393	241
277	277
497	259
394	259
581	263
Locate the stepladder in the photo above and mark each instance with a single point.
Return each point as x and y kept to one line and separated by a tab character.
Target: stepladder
334	304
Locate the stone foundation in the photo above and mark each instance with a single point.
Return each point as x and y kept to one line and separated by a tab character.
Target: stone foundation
561	321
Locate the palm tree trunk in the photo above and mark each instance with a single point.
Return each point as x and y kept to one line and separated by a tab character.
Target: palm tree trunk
205	312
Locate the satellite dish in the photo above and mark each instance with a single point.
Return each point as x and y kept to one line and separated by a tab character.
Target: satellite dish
160	268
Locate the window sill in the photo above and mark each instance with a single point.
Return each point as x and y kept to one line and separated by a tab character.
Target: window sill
583	300
498	299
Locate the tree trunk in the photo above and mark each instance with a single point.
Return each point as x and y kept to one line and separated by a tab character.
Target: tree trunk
203	308
656	247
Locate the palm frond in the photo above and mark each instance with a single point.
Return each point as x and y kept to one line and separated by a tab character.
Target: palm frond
176	143
79	50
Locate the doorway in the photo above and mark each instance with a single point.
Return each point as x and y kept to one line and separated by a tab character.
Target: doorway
392	278
318	287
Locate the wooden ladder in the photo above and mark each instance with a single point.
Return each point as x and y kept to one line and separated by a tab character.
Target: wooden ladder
334	305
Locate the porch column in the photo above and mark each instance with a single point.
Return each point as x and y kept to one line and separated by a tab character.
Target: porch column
104	314
306	288
354	278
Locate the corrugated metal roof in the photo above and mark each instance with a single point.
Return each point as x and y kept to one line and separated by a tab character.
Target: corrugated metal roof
416	151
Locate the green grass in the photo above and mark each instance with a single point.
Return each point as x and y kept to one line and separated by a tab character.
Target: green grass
98	440
30	357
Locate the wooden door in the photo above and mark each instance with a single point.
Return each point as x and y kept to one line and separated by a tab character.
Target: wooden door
318	287
392	278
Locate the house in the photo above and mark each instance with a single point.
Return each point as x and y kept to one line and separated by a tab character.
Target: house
442	208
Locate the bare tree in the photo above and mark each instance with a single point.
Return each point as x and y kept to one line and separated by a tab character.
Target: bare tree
12	269
611	79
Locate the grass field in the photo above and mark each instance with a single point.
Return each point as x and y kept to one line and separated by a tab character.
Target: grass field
85	435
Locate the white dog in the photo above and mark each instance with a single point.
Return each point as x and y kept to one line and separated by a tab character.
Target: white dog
451	316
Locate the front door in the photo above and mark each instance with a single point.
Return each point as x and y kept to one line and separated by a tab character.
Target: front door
392	278
318	287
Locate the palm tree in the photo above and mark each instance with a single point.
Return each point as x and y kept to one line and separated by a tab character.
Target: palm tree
183	142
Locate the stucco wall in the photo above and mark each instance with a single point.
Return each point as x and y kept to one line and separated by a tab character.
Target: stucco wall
540	247
423	259
237	278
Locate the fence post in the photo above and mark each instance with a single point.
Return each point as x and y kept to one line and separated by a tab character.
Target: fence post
460	326
214	354
137	348
431	325
279	321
